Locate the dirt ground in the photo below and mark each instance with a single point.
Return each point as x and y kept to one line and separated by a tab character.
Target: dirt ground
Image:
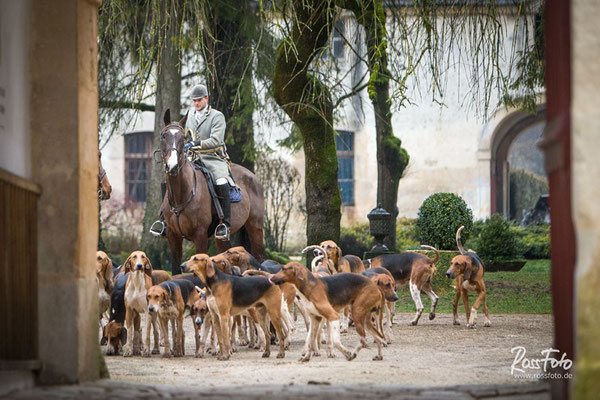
434	353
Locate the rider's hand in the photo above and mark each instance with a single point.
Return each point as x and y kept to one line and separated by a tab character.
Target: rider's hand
187	146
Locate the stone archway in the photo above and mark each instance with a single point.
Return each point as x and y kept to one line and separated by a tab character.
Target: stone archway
494	146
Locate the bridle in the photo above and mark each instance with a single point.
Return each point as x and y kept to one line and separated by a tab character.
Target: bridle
177	210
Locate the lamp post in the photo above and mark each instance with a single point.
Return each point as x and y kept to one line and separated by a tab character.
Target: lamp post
380	223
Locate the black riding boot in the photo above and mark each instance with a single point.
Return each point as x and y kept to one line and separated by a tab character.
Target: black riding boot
222	231
158	228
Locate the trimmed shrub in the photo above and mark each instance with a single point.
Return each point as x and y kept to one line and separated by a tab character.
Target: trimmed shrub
281	258
406	234
356	240
497	241
535	240
439	218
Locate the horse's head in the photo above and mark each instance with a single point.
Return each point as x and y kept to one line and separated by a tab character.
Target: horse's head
172	138
104	187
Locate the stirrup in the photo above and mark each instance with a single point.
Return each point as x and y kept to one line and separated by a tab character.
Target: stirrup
222	232
158	228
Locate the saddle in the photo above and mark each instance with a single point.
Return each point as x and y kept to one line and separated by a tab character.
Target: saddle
235	194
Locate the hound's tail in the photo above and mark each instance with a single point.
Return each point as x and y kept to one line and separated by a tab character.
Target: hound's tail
458	243
437	253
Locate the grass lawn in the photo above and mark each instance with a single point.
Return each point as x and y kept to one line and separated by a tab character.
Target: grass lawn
523	292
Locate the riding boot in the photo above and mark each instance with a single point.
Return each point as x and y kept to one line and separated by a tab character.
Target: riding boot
158	228
222	231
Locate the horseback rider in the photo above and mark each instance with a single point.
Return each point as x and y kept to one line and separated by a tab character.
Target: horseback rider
205	136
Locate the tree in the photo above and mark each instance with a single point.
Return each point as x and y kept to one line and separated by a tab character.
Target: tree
308	104
168	95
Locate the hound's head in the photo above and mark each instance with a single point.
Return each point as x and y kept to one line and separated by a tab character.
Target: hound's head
292	272
238	256
202	266
138	261
114	336
461	265
104	271
334	253
199	309
222	262
158	298
387	287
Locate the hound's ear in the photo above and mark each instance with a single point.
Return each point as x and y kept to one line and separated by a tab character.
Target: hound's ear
127	265
167	298
183	120
108	272
147	264
468	271
210	269
299	274
338	252
123	335
167	117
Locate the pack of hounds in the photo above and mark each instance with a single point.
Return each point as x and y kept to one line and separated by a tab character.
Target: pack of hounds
232	294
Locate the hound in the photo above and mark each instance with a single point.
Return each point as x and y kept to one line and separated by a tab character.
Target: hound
168	300
386	284
347	263
231	295
202	322
241	257
104	277
414	268
467	269
326	298
114	334
139	280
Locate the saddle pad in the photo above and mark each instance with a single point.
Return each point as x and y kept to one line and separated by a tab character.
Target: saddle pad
235	195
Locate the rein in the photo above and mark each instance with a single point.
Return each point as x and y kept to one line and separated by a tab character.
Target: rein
177	210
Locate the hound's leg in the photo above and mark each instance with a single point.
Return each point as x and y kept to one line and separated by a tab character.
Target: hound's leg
146	352
465	297
485	312
473	320
224	339
379	340
305	316
164	332
415	292
179	341
388	332
137	340
311	336
128	348
434	298
455	307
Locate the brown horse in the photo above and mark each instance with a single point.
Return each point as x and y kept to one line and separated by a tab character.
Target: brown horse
188	207
104	188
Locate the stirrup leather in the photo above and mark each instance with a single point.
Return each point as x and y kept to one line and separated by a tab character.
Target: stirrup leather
222	232
158	228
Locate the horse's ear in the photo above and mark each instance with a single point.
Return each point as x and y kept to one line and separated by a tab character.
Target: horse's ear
183	120
167	117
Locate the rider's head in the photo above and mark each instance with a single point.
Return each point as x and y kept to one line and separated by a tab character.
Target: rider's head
199	96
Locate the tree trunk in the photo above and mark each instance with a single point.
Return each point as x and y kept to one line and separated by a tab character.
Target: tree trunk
232	27
308	103
391	157
168	92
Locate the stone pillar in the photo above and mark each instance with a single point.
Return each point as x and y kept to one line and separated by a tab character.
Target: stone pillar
64	126
586	193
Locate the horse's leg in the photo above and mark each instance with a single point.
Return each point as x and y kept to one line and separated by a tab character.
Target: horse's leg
255	234
222	245
175	242
201	241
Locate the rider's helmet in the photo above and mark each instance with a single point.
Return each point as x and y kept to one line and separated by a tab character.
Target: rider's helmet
198	92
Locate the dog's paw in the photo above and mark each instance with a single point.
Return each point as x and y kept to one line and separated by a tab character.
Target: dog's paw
377	358
281	355
166	354
487	323
413	323
385	344
472	326
456	322
431	316
146	353
127	352
351	356
304	359
266	354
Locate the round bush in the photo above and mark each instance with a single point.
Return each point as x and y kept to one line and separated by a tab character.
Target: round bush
439	218
497	241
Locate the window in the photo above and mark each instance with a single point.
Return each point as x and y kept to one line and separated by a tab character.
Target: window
337	45
344	145
138	164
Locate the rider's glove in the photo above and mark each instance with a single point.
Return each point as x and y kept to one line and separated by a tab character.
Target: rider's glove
187	146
